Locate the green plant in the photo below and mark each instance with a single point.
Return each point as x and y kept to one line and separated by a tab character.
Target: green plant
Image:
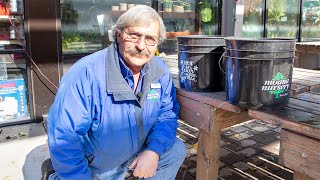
207	12
69	38
277	10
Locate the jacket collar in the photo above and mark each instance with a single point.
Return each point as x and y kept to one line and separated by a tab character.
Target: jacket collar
118	86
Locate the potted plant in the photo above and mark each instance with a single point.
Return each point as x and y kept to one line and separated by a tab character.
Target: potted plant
167	5
187	5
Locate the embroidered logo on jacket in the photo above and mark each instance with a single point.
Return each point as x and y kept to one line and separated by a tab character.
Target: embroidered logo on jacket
153	95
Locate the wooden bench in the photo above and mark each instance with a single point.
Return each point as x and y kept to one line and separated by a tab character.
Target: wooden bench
300	121
300	133
210	113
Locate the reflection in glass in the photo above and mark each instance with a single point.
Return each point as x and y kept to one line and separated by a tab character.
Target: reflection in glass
310	23
208	12
282	20
252	19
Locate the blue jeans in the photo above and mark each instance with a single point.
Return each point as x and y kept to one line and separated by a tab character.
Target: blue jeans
168	166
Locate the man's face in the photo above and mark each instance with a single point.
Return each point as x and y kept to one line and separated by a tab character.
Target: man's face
138	44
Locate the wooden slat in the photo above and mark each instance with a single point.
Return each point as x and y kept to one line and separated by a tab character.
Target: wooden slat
306	70
227	119
305	106
214	99
298	89
294	120
195	113
309	96
305	82
300	153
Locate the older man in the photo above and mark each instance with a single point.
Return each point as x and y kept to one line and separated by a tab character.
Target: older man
116	109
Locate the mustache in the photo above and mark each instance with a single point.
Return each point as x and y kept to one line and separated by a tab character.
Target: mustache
133	51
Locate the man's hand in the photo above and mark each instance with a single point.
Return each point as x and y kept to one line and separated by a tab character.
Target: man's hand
145	164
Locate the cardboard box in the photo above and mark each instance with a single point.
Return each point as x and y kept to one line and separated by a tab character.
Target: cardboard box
13	99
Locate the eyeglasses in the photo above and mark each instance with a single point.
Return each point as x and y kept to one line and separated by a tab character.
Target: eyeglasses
136	37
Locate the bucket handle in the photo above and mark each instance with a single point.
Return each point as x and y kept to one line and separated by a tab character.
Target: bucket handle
220	63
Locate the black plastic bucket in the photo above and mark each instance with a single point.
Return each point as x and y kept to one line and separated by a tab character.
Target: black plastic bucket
198	49
259	71
199	63
201	40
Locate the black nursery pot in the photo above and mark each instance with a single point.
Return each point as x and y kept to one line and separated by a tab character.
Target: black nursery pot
259	71
198	58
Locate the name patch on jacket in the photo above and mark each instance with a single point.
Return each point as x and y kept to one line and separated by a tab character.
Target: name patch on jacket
153	95
155	86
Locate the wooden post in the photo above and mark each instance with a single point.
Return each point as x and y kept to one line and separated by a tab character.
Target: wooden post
209	151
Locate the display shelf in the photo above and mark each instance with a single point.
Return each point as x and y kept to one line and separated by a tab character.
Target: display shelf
178	15
14	72
4	123
10	41
174	15
12	51
5	18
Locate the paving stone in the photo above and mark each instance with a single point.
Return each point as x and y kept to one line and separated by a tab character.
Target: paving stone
221	164
252	132
272	125
240	144
271	167
269	156
232	158
260	122
228	133
229	140
233	147
260	127
247	142
239	129
190	163
241	165
224	152
222	142
272	147
284	174
256	173
261	138
278	129
240	136
258	145
184	175
229	174
254	160
192	172
250	123
248	152
271	134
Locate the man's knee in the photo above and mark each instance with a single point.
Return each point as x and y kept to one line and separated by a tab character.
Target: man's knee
179	150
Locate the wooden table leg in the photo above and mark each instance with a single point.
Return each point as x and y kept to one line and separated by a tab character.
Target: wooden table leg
208	154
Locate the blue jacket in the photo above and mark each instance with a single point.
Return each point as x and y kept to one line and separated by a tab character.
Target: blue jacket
97	116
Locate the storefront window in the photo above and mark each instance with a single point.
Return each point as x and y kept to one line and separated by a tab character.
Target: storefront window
187	17
310	23
14	105
253	19
86	25
282	20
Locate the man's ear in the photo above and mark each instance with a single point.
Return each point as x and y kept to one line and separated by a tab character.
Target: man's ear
118	35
